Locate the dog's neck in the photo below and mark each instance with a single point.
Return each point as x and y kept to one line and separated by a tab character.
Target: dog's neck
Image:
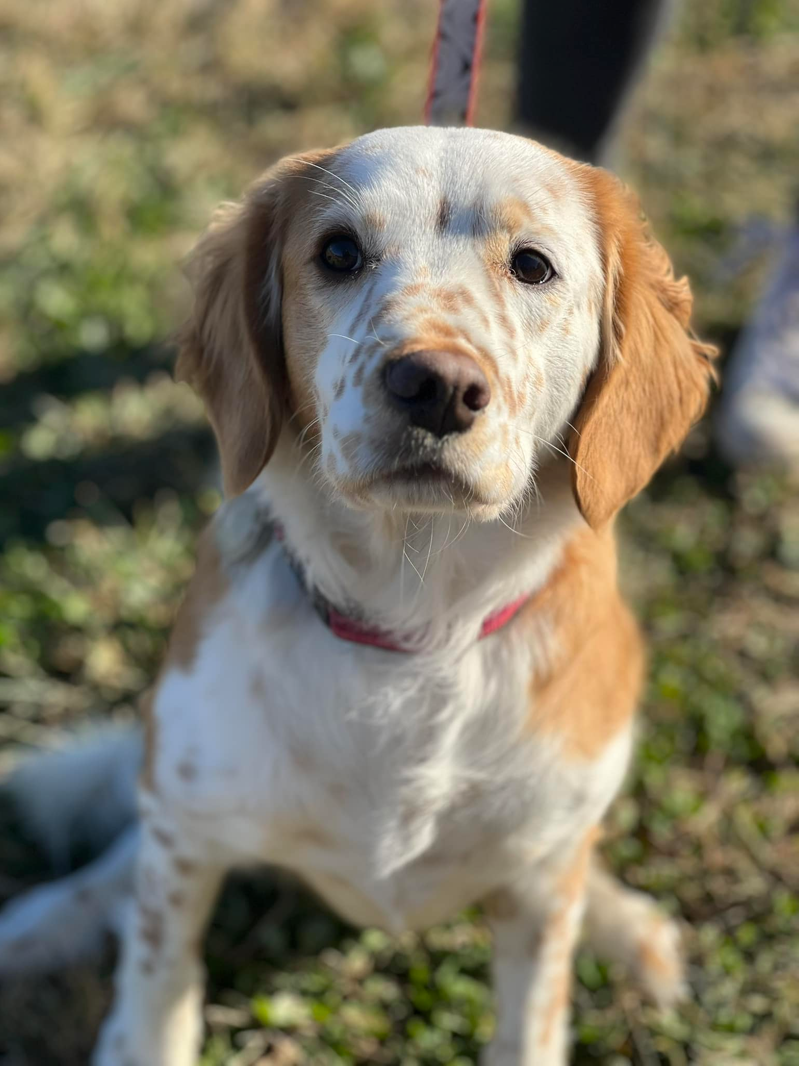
438	576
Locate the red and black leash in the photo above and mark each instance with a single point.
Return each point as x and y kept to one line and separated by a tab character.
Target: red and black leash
455	63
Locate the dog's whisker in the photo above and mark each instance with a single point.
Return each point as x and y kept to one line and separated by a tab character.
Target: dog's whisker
333	174
374	334
345	337
560	451
327	185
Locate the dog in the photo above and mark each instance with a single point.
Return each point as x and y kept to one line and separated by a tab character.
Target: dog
437	363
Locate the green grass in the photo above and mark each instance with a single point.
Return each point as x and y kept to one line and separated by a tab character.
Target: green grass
123	125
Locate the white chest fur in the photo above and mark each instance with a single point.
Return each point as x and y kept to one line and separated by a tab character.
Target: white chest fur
402	787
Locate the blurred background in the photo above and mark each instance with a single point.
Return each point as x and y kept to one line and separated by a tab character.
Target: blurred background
121	126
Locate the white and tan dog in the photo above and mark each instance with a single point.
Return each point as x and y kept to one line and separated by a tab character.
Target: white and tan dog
439	361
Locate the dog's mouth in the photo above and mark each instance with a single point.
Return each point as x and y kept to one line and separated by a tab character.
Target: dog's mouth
413	476
424	486
432	473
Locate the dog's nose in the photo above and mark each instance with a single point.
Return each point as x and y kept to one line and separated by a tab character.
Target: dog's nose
442	392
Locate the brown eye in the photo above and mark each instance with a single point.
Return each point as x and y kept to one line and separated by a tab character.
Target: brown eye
531	267
342	254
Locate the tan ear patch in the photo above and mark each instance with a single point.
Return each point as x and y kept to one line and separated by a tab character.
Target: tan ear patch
652	380
231	347
229	350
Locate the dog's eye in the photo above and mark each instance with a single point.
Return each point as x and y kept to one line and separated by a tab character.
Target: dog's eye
531	267
342	254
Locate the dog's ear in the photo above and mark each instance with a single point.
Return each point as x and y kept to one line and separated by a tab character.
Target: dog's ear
230	349
652	379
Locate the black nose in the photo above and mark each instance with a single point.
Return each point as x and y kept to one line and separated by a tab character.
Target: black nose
440	391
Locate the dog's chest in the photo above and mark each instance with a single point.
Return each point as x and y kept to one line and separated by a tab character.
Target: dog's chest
401	789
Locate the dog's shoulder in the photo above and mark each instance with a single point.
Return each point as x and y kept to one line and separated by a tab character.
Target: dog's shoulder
584	689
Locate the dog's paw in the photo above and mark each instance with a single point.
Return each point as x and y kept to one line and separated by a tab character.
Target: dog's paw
659	967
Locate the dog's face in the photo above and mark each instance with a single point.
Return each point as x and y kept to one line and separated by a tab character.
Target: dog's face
440	315
426	307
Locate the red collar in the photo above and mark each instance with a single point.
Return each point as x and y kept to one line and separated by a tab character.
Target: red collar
351	628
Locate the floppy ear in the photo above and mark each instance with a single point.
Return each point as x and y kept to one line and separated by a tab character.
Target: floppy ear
230	348
652	379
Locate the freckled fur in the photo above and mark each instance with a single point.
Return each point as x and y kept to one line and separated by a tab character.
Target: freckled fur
444	214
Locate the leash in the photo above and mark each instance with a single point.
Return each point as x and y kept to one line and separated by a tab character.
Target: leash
455	63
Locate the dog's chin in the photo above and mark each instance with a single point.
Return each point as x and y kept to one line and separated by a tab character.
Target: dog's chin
423	488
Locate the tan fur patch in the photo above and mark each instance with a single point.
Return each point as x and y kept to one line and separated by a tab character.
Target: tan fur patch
574	878
590	687
652	960
559	1002
206	589
446	299
230	348
512	214
570	887
375	220
433	326
555	189
653	379
412	289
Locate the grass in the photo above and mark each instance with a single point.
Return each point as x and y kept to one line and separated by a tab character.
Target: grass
123	125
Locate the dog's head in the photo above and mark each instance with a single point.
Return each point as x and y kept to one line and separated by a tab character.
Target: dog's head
435	314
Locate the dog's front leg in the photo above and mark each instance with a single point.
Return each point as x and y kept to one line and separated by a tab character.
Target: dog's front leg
157	1012
535	923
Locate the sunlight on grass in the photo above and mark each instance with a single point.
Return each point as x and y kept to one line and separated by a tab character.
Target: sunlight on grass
123	125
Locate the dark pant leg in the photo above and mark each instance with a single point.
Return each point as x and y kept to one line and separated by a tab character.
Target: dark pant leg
578	60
